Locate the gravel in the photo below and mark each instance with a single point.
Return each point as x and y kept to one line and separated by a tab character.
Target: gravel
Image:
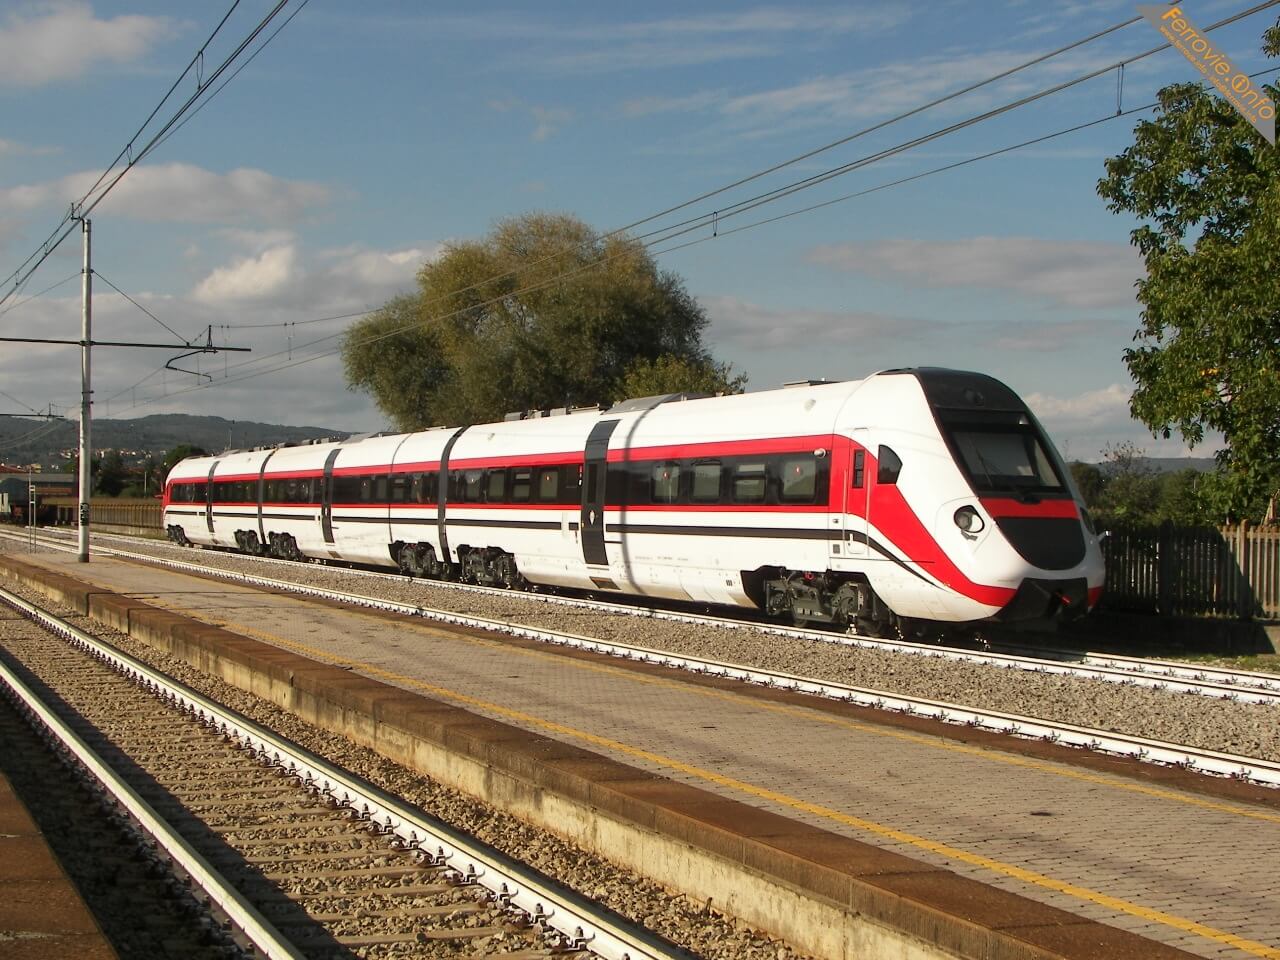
697	926
1248	730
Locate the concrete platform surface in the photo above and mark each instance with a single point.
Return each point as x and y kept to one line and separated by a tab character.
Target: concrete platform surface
41	914
986	851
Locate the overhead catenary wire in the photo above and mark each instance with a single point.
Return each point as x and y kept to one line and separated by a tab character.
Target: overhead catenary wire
98	274
713	218
751	203
742	206
681	229
653	243
88	202
35	296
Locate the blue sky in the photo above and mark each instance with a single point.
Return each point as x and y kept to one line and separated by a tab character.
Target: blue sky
365	137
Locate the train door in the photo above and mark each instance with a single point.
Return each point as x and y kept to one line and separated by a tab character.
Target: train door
209	497
326	497
593	490
856	503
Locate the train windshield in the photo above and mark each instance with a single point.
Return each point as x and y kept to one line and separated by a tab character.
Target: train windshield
1006	460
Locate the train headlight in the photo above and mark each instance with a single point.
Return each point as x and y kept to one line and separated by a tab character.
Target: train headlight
968	520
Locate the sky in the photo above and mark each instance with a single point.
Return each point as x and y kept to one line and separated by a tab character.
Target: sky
364	138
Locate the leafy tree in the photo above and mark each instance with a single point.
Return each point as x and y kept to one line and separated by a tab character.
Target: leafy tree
1181	500
111	474
540	313
668	374
1089	481
1206	187
181	452
1131	493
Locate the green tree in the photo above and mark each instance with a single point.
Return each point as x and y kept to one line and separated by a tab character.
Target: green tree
111	476
540	313
668	374
1206	187
178	453
1090	481
1131	493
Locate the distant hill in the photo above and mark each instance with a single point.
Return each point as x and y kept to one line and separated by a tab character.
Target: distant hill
24	441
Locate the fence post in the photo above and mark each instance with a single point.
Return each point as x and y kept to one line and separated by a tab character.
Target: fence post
1164	569
1244	602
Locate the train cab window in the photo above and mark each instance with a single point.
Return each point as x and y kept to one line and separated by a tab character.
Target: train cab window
890	466
799	476
496	486
749	483
706	482
549	485
521	485
859	467
666	482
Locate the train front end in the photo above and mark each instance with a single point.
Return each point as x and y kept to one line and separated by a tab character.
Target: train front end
981	520
1025	526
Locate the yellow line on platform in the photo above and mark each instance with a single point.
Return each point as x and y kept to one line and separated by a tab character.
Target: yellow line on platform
763	793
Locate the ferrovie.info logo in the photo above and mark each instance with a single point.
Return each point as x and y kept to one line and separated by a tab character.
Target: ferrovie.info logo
1239	89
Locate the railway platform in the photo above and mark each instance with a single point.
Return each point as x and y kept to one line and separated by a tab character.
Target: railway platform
42	916
849	832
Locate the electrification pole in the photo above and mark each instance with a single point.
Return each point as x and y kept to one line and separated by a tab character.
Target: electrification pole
86	447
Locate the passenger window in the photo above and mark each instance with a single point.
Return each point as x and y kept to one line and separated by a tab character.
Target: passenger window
472	481
497	486
799	480
890	466
521	485
749	483
666	483
706	482
571	485
549	484
400	484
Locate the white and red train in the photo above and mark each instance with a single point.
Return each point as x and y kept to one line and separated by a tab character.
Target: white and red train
913	497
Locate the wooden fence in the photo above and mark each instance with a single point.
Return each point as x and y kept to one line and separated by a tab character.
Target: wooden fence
135	515
1227	571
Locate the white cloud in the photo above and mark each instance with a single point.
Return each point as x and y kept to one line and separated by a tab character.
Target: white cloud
183	193
12	148
282	302
57	41
680	41
1071	273
752	326
279	281
549	121
1084	425
250	278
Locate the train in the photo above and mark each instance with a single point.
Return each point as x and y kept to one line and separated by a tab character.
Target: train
907	501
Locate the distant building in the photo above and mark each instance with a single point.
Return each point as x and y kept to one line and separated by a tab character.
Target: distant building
15	490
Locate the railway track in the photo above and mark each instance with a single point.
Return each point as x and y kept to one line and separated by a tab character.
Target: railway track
1220	682
1252	769
294	857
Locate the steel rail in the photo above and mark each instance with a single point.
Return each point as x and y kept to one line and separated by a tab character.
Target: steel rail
1255	770
581	924
1239	686
252	925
